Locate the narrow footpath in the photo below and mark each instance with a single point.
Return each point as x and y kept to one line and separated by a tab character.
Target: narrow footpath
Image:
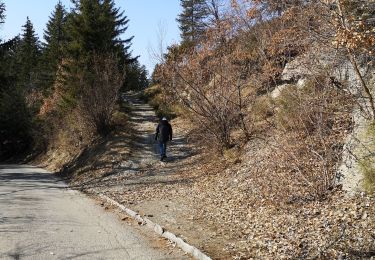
160	191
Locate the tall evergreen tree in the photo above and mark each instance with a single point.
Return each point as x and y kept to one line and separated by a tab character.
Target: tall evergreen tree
2	12
15	120
2	47
192	21
28	57
55	40
135	77
94	27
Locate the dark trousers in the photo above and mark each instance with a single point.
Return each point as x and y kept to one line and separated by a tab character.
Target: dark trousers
163	148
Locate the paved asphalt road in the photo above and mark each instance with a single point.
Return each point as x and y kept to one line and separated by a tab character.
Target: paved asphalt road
41	219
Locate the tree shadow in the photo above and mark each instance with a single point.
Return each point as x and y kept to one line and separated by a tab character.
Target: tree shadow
20	181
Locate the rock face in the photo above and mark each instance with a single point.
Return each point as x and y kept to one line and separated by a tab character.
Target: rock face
359	146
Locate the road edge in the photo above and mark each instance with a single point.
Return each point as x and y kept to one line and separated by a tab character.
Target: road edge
187	248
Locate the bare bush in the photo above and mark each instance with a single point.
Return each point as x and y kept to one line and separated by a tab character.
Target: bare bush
210	84
306	146
99	92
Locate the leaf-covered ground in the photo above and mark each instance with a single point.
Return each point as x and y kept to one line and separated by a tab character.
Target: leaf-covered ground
217	206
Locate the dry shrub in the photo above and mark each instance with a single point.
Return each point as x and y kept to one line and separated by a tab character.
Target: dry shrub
162	102
261	109
305	148
99	93
367	163
210	83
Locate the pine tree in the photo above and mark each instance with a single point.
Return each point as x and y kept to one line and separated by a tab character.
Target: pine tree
15	120
2	50
55	40
2	13
28	57
94	27
135	77
192	21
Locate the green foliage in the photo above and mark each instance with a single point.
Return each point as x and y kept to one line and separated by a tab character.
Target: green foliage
15	123
2	12
15	119
192	21
64	69
94	27
28	57
8	63
55	42
135	77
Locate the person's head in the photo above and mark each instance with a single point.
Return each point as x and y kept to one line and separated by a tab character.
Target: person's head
164	119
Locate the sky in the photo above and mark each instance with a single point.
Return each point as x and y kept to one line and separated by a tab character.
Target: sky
149	21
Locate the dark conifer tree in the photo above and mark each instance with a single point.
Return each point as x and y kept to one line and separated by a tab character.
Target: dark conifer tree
135	77
55	40
94	27
192	21
28	57
2	12
15	119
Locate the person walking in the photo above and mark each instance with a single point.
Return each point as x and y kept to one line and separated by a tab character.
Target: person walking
164	134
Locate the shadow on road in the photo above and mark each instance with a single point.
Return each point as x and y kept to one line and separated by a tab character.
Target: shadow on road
19	178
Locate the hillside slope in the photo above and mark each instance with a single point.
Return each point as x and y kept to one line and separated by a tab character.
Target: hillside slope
215	203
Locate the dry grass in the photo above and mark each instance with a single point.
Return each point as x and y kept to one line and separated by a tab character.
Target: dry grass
367	164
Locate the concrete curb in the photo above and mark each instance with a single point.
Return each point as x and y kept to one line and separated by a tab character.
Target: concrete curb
195	252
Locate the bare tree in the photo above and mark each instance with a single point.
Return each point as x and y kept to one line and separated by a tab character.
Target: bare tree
209	83
156	53
99	93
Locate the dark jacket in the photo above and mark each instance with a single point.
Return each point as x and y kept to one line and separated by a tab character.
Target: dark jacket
163	131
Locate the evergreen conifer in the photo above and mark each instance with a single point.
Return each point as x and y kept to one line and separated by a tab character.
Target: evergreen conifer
192	21
28	57
55	40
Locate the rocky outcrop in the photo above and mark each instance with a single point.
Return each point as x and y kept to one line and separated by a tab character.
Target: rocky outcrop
358	148
359	145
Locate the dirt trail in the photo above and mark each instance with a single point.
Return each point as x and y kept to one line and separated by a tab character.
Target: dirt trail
162	191
144	156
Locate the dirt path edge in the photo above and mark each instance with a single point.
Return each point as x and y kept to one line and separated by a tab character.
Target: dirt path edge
195	252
